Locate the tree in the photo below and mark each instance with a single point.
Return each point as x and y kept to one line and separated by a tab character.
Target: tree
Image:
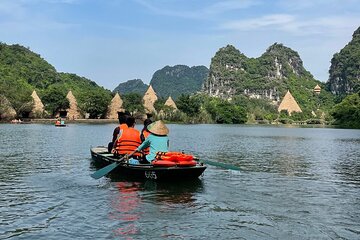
347	113
54	99
95	103
188	105
133	102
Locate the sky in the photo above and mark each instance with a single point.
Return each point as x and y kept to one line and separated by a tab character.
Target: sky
112	41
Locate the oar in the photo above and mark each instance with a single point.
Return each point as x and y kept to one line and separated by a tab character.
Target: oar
105	170
220	164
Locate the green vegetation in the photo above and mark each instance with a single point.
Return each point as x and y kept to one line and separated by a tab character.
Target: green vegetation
133	103
347	113
22	71
237	89
131	86
177	80
345	68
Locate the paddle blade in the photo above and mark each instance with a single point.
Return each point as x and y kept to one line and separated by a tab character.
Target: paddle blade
222	165
102	172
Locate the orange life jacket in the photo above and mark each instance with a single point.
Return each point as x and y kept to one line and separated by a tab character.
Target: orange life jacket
146	151
128	142
174	156
123	126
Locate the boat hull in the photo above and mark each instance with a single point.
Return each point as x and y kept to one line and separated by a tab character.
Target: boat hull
102	158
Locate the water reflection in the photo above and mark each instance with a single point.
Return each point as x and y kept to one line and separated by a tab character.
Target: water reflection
125	208
175	192
133	199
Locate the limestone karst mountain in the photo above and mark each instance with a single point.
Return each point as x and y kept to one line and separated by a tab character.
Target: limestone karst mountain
267	77
345	68
131	86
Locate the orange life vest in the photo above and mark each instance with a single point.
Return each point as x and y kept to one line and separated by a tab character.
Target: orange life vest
128	142
174	156
123	126
146	151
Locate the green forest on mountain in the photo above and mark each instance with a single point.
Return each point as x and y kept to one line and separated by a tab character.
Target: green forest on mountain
232	75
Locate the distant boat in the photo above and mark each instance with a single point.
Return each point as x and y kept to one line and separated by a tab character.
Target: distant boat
15	121
60	123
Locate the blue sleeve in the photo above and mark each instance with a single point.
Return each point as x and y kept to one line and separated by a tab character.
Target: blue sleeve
145	144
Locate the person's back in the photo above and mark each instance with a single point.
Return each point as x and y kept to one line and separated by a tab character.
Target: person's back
128	140
122	116
158	140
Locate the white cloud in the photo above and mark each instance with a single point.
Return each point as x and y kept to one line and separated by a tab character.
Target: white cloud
205	12
261	22
295	25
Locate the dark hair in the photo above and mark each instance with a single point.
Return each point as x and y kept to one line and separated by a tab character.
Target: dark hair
147	122
122	116
130	121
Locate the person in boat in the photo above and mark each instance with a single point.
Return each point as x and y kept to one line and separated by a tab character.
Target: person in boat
58	121
122	116
128	141
144	134
158	141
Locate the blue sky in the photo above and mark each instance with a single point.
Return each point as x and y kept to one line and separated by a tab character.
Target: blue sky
112	41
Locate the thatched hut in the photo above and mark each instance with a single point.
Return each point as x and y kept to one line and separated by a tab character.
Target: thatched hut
289	104
116	105
6	110
317	89
73	111
170	103
38	107
149	99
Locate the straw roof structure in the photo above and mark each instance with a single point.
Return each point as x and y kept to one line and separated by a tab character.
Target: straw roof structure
317	89
6	110
73	111
289	103
149	99
116	105
170	102
38	107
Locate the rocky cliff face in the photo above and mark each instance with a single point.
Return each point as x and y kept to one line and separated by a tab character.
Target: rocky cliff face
345	68
266	77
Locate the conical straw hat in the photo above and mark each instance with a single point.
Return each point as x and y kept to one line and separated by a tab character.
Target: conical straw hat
158	128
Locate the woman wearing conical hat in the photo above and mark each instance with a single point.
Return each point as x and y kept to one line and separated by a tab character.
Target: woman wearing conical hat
158	140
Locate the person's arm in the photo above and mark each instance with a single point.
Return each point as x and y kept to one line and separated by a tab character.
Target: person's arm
115	134
145	144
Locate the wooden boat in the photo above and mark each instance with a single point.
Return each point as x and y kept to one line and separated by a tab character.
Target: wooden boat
101	157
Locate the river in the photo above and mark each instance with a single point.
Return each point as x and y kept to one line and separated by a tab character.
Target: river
294	183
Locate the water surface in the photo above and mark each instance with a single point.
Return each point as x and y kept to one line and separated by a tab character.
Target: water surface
294	183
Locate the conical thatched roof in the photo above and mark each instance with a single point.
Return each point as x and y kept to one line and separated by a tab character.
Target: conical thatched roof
6	110
115	107
38	107
73	111
149	100
289	103
170	102
317	89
